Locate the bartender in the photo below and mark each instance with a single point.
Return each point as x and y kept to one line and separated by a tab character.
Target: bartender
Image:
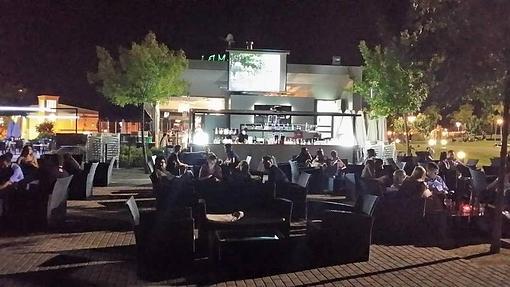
298	133
243	136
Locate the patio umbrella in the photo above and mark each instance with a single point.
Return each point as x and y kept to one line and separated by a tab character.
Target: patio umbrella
361	131
372	132
16	130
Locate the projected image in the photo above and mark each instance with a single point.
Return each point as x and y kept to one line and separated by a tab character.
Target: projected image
255	72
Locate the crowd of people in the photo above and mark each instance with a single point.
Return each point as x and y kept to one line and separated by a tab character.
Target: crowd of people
28	169
424	181
234	170
28	173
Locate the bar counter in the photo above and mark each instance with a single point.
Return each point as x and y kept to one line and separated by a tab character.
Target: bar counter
282	153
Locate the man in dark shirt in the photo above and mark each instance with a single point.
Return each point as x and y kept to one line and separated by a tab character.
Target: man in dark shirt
232	157
275	174
304	157
174	164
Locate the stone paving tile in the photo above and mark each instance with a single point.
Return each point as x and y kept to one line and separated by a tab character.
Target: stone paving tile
105	256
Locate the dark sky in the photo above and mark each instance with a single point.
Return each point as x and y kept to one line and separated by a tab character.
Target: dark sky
48	46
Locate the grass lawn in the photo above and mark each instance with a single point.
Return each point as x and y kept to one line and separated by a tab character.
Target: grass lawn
482	150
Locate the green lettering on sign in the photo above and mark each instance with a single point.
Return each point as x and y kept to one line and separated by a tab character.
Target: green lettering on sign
215	58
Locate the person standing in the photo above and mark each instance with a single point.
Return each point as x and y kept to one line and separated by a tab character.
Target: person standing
165	144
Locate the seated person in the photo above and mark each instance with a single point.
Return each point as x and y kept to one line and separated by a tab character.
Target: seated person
71	165
399	176
10	173
451	161
434	182
232	157
174	164
319	159
373	170
379	168
334	165
49	170
275	174
211	170
241	173
369	169
28	163
414	186
160	171
370	155
304	158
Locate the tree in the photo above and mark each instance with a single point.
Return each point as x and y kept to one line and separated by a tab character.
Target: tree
494	116
390	86
427	120
45	130
146	73
467	45
467	117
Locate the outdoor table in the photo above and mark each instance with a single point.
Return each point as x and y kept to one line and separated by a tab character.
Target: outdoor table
232	243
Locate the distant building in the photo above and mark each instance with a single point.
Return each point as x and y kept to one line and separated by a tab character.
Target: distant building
22	122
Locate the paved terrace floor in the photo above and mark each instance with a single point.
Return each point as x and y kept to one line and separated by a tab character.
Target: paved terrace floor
96	248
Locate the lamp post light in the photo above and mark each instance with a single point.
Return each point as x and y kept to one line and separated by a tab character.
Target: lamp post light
500	124
458	124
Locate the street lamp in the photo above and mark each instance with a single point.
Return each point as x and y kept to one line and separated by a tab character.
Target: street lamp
458	124
411	119
500	124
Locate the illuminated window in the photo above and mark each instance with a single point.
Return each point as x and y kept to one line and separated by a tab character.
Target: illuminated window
51	104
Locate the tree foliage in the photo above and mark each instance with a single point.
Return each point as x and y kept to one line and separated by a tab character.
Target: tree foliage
45	129
427	120
467	117
463	42
390	87
147	72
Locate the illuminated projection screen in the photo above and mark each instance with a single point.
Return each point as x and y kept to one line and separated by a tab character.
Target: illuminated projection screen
253	71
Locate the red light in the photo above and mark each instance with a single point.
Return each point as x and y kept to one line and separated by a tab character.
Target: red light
466	208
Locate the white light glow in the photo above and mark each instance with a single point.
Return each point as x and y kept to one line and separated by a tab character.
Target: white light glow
52	117
461	155
25	109
200	137
444	142
347	140
432	142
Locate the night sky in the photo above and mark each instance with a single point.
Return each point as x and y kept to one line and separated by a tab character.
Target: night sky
48	46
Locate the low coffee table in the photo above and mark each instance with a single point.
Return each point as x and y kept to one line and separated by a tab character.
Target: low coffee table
257	242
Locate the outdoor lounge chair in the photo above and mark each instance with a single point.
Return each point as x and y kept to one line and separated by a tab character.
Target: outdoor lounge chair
164	240
103	175
82	183
57	202
339	233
